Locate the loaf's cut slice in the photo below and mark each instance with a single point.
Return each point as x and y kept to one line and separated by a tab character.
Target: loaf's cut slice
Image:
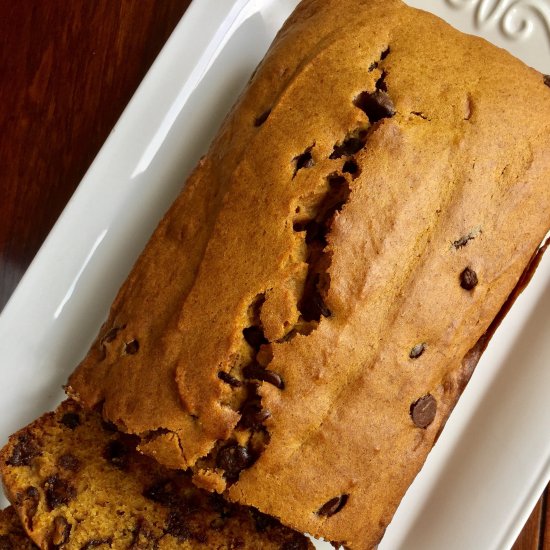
12	534
306	315
77	483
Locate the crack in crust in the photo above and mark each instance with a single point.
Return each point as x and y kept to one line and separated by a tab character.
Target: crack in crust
251	435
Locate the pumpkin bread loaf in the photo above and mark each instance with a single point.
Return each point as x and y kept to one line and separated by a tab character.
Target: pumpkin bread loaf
306	315
12	534
78	484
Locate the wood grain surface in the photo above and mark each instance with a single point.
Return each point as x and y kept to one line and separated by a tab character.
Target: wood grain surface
67	70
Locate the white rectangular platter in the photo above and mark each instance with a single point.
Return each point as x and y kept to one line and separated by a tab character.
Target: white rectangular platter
493	459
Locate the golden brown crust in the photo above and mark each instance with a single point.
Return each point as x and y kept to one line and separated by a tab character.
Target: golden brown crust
379	190
76	483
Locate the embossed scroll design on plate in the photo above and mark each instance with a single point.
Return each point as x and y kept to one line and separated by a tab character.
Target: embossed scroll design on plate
516	19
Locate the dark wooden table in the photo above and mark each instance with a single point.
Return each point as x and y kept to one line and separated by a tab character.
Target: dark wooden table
67	70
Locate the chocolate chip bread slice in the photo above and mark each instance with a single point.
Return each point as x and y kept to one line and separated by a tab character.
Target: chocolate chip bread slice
12	534
308	312
77	483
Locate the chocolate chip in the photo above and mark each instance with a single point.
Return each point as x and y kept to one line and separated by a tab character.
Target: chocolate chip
468	279
70	420
252	414
348	147
131	347
312	305
94	543
232	459
228	379
305	160
176	525
373	66
262	118
272	378
68	462
376	105
61	531
58	492
117	453
321	306
254	336
546	79
420	115
417	351
24	451
333	506
257	372
423	411
463	241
